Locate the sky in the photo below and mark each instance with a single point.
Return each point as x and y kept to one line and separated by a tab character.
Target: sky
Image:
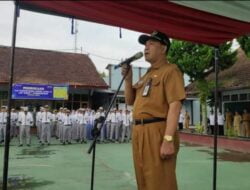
40	31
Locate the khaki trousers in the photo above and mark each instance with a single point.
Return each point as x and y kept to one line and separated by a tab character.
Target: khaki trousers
153	173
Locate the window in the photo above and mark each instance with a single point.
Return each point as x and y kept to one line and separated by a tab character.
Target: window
226	98
4	95
234	97
243	96
77	97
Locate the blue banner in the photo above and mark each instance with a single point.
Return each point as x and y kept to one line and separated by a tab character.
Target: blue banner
39	91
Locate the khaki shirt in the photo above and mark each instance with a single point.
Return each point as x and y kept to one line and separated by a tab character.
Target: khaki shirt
246	117
166	87
229	116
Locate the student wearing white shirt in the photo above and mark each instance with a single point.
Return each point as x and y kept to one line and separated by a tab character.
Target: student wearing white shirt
67	125
46	118
125	126
39	123
100	113
13	122
113	124
119	124
3	122
53	123
26	121
83	126
221	120
181	120
211	122
59	129
108	125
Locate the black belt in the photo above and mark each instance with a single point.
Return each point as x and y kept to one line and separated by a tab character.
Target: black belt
148	120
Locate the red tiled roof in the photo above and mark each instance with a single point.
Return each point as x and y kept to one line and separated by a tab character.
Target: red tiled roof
50	67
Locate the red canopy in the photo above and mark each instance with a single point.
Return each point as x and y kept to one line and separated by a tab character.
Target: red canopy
177	21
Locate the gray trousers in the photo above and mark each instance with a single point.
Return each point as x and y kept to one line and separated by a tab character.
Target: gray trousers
39	130
108	129
46	132
125	131
2	131
102	131
67	133
59	130
112	130
118	131
82	128
24	130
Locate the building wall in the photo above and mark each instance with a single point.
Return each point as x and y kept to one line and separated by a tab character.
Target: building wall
115	77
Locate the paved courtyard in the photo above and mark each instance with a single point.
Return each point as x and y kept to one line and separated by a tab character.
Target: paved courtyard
58	167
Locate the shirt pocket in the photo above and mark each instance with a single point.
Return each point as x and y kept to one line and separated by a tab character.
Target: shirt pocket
155	82
138	87
155	89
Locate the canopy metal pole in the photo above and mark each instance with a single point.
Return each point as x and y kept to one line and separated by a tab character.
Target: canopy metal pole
7	134
216	51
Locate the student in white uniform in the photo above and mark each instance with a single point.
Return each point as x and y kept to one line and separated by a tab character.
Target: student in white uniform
181	120
113	124
67	125
82	126
54	123
25	120
221	120
3	122
125	126
13	122
118	115
100	113
211	122
59	129
108	125
46	118
39	124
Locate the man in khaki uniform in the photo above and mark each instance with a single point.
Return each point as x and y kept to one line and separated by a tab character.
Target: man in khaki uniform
157	98
229	121
246	123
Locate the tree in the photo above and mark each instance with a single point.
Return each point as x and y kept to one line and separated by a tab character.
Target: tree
197	61
244	42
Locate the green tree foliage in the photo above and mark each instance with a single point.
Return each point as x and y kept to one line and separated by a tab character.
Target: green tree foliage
244	42
197	61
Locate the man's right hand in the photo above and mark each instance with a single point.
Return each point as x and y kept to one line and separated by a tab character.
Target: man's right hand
125	69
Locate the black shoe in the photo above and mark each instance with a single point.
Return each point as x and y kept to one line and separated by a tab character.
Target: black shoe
28	144
42	144
20	145
48	144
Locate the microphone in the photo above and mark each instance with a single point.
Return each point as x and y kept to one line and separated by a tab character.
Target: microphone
129	60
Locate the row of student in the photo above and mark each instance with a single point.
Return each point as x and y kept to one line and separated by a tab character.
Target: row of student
68	125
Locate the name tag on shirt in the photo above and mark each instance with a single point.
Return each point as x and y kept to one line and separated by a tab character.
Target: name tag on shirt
147	88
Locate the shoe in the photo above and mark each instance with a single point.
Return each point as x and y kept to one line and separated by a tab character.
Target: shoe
28	144
20	145
42	144
48	144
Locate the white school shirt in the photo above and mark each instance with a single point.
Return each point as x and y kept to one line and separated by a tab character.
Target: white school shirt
25	119
220	119
3	117
46	117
